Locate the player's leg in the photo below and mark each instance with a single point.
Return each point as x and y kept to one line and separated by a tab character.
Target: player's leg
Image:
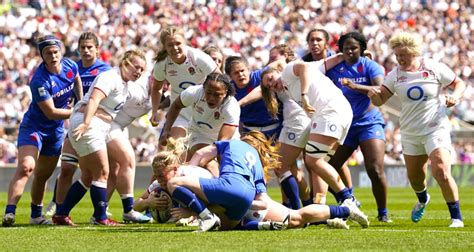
27	158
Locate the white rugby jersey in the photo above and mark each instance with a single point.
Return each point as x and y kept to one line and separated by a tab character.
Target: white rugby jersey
184	170
115	89
423	109
322	92
191	72
207	121
138	102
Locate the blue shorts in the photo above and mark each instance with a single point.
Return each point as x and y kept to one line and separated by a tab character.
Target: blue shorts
51	140
231	191
362	133
271	131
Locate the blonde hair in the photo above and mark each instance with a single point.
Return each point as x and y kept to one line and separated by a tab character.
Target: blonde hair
210	49
412	42
268	96
267	152
127	56
285	49
169	31
173	156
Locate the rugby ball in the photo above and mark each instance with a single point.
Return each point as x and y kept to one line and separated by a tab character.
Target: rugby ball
161	215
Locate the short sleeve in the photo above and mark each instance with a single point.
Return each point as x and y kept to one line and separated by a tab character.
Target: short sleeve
159	71
205	63
190	94
390	80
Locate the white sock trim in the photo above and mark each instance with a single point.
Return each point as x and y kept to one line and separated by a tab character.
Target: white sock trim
124	196
285	176
99	184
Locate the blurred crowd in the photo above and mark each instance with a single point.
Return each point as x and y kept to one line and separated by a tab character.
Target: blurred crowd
238	27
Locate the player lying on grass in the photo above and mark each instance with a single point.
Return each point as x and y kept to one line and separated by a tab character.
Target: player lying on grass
270	214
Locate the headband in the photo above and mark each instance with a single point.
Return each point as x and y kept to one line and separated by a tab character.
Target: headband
48	41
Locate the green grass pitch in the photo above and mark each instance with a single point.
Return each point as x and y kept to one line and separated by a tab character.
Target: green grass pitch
432	233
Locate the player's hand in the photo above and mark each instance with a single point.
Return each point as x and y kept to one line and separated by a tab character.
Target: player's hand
373	91
162	202
154	120
348	83
451	101
79	131
179	213
153	201
306	105
164	137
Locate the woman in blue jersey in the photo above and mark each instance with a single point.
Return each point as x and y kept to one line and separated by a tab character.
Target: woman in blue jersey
354	77
42	128
89	68
242	165
90	123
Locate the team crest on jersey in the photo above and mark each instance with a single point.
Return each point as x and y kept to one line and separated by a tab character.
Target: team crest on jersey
191	70
217	115
360	68
427	74
53	84
69	74
94	72
341	70
173	73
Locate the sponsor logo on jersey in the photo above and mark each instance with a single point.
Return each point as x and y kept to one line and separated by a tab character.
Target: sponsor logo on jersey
41	91
63	91
191	70
69	74
199	109
401	78
172	73
332	127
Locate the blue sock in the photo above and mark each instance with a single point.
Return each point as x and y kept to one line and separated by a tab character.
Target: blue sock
36	210
73	196
127	203
99	199
422	196
251	225
291	190
188	199
148	213
286	204
338	212
342	195
351	190
58	206
454	210
307	202
382	211
10	209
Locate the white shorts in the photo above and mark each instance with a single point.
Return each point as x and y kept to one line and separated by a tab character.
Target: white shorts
421	145
184	118
93	139
199	138
296	124
254	215
116	131
332	123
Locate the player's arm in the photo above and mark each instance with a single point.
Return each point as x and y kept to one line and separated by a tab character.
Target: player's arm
156	93
78	92
301	70
458	86
253	96
226	132
377	81
203	156
332	61
90	110
171	116
53	113
379	95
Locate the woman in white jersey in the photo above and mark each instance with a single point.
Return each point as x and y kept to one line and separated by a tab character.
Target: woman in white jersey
303	82
120	151
424	125
181	66
90	123
215	113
